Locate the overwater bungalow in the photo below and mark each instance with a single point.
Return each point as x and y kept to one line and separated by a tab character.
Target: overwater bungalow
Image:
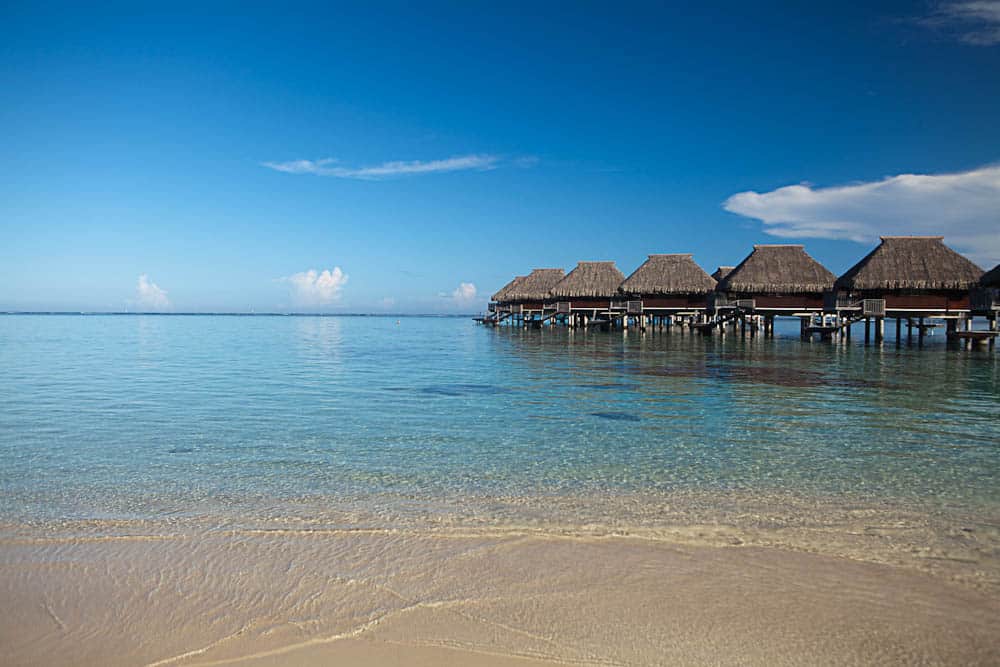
777	280
500	304
910	277
914	276
667	285
586	292
528	296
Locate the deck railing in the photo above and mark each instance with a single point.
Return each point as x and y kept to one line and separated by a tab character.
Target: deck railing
618	304
873	308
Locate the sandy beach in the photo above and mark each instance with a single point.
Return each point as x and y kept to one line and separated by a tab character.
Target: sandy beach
174	593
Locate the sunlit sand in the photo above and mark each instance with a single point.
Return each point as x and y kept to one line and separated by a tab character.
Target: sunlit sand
504	592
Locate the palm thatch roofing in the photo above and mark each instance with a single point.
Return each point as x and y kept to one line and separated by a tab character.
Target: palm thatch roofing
912	263
991	278
589	279
535	286
722	272
501	295
777	269
668	274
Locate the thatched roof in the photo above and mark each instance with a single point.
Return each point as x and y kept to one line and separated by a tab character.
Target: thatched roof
536	285
991	278
501	294
911	262
668	274
777	269
589	279
722	272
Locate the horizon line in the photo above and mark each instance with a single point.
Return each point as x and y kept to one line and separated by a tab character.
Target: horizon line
227	314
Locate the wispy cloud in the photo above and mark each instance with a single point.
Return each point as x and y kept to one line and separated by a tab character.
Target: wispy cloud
464	293
317	288
971	21
332	167
150	295
964	207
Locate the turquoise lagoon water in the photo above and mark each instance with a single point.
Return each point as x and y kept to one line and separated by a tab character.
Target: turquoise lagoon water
153	416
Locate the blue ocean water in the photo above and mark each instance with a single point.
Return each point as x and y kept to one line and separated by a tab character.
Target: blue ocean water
148	416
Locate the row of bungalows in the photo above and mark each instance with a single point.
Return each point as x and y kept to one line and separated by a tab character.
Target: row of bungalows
593	292
903	277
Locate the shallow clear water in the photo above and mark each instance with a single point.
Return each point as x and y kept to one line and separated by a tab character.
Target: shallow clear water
152	416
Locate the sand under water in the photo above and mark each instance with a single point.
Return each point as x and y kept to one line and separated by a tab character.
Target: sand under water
693	580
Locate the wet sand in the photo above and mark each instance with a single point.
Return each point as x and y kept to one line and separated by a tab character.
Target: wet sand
147	593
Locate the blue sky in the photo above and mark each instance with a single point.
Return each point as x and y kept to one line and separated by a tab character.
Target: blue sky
387	158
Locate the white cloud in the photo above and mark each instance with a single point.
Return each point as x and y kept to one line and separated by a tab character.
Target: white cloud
974	22
149	295
964	207
330	167
317	288
464	293
388	302
301	166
